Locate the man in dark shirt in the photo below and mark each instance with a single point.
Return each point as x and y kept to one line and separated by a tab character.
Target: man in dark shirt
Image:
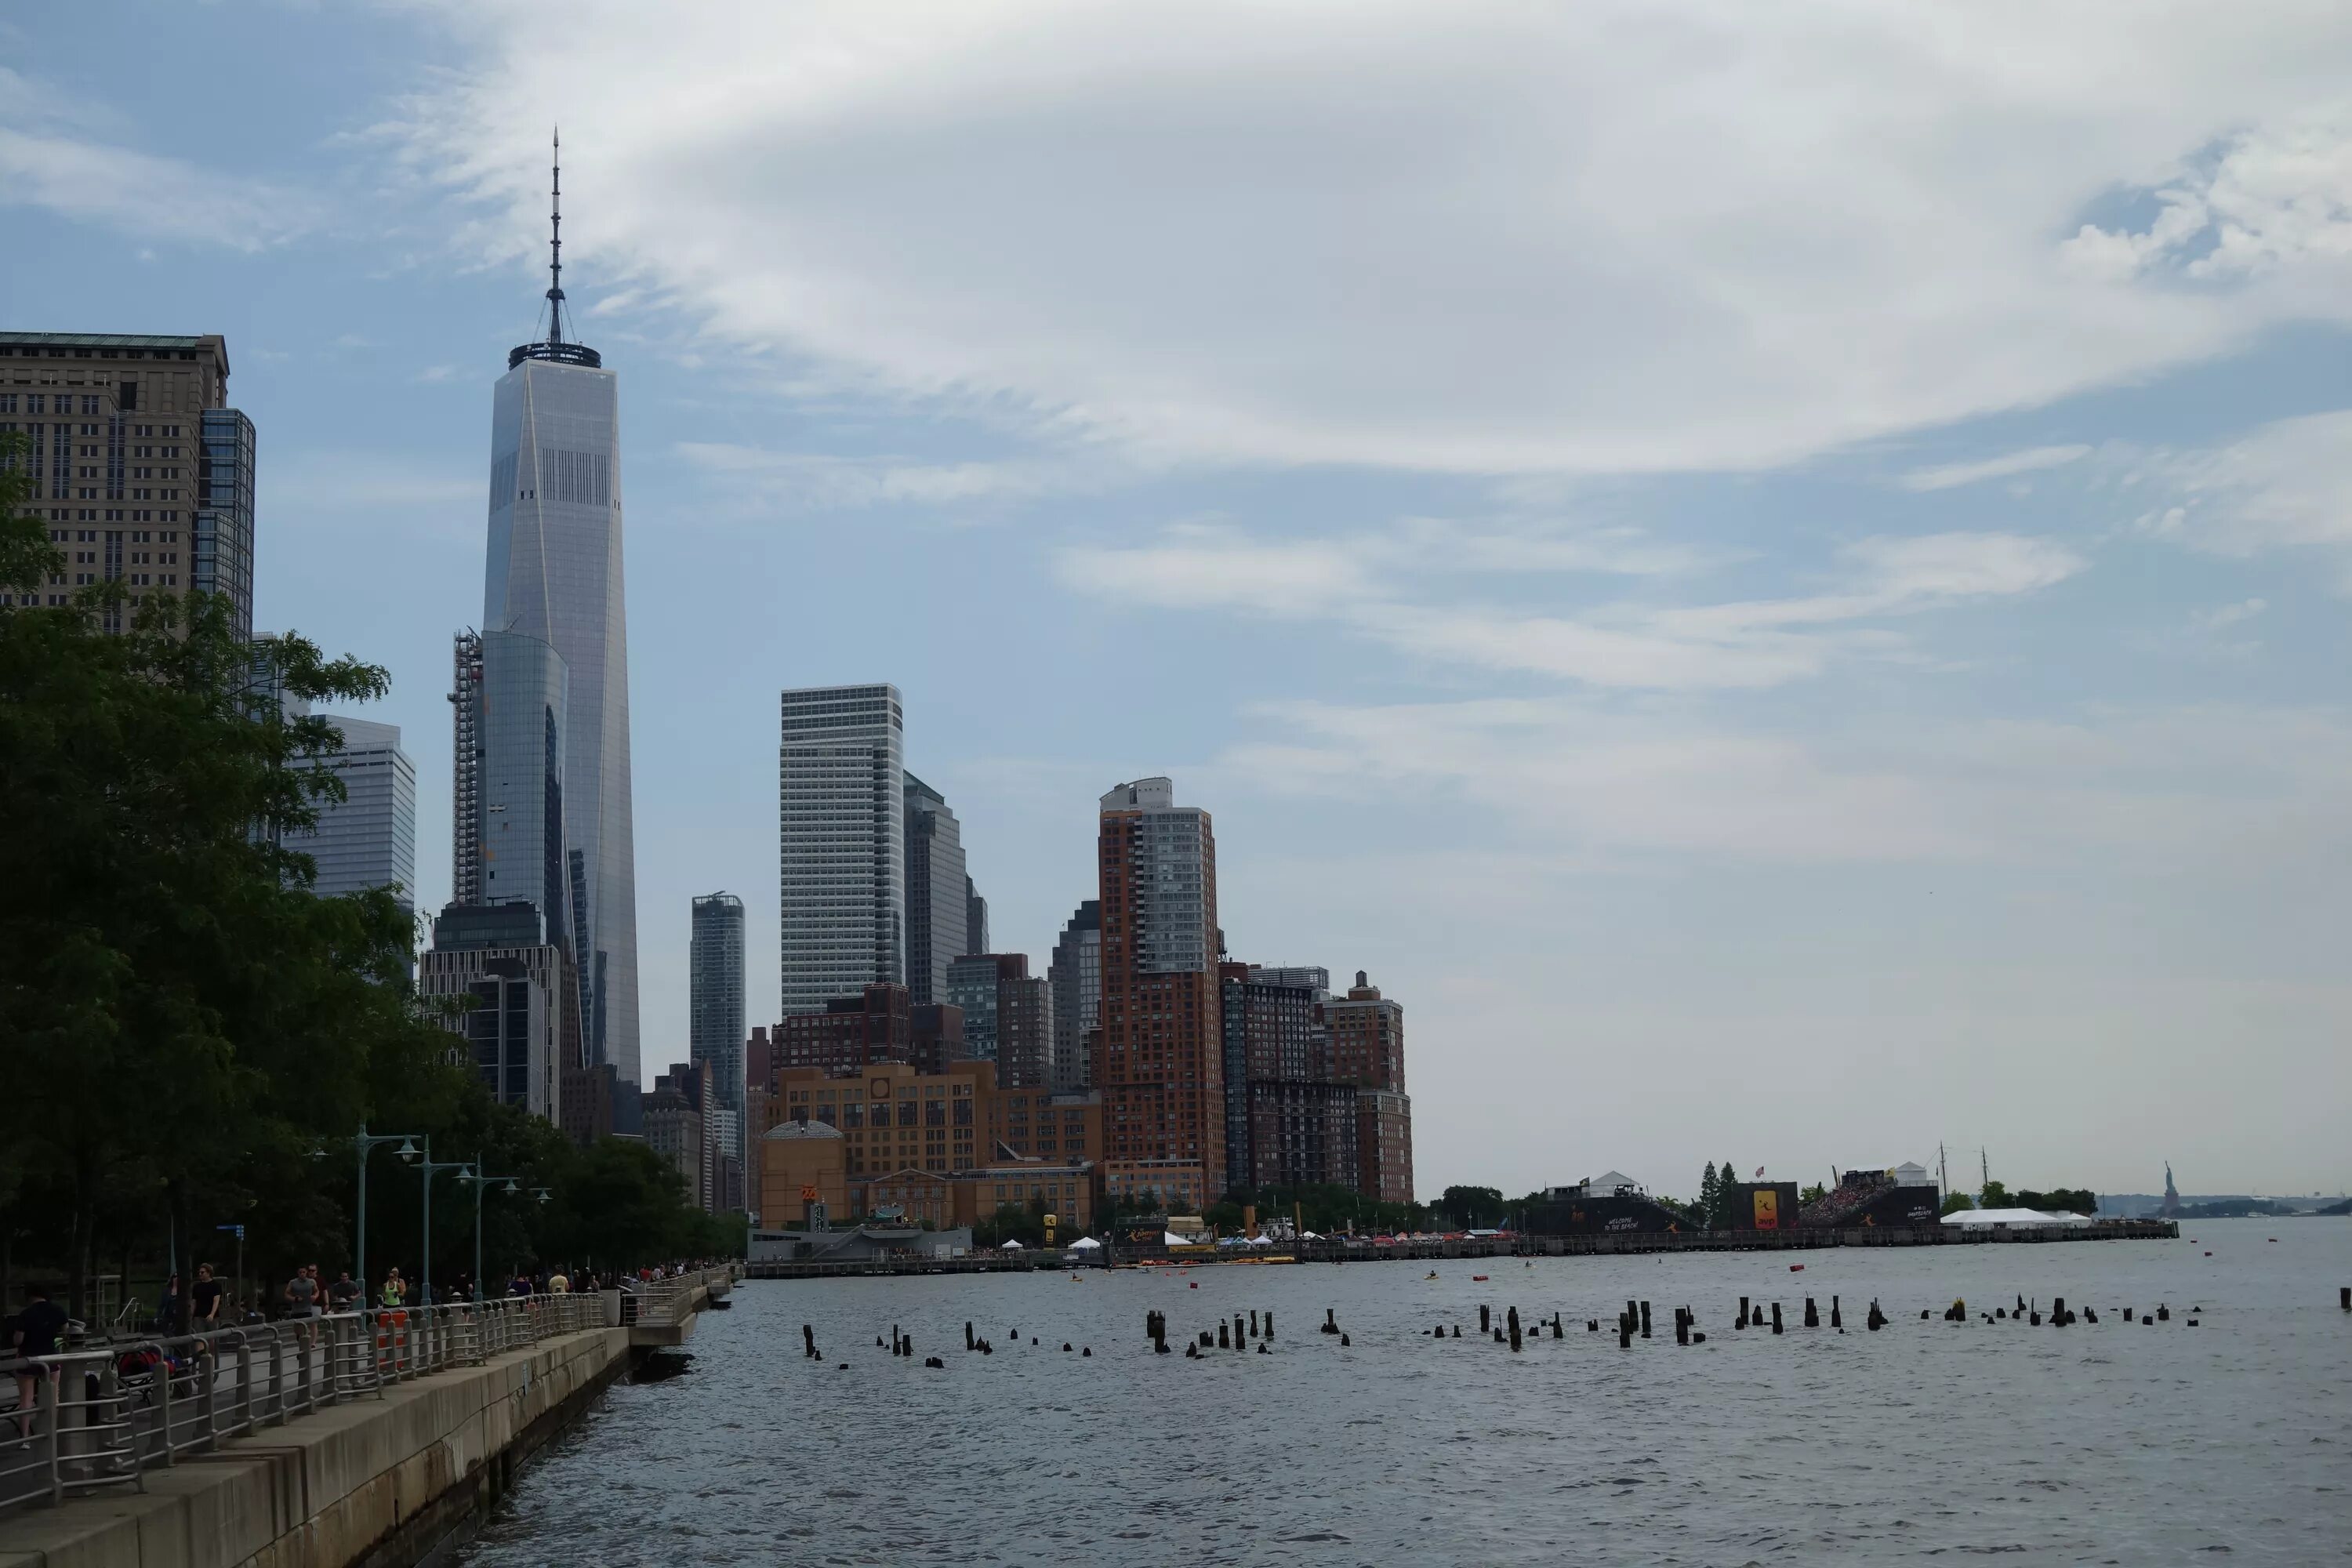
203	1299
37	1328
344	1293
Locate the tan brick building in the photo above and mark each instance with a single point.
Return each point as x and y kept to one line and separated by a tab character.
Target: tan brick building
1159	1064
142	473
894	1117
801	1164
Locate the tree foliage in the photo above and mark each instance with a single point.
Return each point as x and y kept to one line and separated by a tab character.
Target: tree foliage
184	1024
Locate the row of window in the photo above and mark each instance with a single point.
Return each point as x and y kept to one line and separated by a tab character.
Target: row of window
138	536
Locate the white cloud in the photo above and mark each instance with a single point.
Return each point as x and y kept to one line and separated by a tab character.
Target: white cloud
2287	484
1575	778
49	158
820	481
1947	475
2273	199
1474	237
1381	587
2223	617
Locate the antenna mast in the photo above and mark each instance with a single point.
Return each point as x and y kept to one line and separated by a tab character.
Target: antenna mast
555	247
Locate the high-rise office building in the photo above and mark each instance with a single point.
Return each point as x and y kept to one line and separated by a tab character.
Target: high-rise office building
1008	1016
972	986
715	982
554	572
142	473
715	1010
367	839
841	820
975	919
523	1025
1075	973
508	703
935	891
1160	1066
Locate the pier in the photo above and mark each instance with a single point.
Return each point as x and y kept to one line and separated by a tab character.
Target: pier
1334	1249
357	1438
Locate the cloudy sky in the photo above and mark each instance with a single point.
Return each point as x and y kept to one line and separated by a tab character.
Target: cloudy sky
1784	588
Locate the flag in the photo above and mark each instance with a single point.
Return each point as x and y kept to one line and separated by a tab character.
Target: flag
1760	1170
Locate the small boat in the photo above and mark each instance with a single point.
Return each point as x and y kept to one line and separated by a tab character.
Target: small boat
1476	1278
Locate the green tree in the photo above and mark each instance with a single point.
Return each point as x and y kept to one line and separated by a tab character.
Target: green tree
1711	1187
1473	1208
1720	1215
1994	1196
1812	1194
174	998
1956	1203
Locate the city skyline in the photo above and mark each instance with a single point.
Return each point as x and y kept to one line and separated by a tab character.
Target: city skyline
1753	603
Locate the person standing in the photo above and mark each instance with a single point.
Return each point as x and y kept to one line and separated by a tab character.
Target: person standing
35	1334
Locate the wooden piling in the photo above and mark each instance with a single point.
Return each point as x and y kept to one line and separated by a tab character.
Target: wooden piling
1776	1316
1646	1320
1812	1314
1486	1325
1837	1320
1741	1321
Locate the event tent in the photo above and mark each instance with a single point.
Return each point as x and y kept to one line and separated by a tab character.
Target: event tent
2015	1219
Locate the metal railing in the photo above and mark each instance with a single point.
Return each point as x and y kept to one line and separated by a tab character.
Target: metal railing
102	1418
663	1302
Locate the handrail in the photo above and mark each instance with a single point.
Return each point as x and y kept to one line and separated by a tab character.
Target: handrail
103	1417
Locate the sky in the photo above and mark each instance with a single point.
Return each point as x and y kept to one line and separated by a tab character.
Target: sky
1780	579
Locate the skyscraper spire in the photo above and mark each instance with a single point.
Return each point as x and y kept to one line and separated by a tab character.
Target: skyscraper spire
555	247
553	346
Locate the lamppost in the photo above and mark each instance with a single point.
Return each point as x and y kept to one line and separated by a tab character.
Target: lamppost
481	1184
429	1166
366	1142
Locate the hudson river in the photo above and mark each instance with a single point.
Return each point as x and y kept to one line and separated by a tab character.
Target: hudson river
1931	1441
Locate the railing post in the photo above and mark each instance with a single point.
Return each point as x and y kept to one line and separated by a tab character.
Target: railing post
162	1406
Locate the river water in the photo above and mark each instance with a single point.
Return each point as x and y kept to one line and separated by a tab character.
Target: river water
2230	1441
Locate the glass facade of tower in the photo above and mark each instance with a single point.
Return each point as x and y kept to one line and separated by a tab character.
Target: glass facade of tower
715	1027
220	556
523	699
555	573
367	839
841	820
936	933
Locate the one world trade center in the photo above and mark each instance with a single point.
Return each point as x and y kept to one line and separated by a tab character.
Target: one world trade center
553	573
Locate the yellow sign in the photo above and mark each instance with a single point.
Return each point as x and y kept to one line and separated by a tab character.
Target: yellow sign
1768	1209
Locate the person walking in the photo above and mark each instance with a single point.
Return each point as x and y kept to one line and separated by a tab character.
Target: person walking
35	1334
204	1299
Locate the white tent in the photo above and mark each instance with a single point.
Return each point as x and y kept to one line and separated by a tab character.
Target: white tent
1012	1247
1086	1244
1170	1239
2016	1219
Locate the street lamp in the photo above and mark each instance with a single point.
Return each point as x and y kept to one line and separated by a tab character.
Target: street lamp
363	1143
429	1166
481	1184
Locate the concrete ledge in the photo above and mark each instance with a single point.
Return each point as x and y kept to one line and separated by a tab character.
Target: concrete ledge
375	1480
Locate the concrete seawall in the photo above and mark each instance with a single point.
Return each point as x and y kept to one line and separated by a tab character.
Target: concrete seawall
362	1485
